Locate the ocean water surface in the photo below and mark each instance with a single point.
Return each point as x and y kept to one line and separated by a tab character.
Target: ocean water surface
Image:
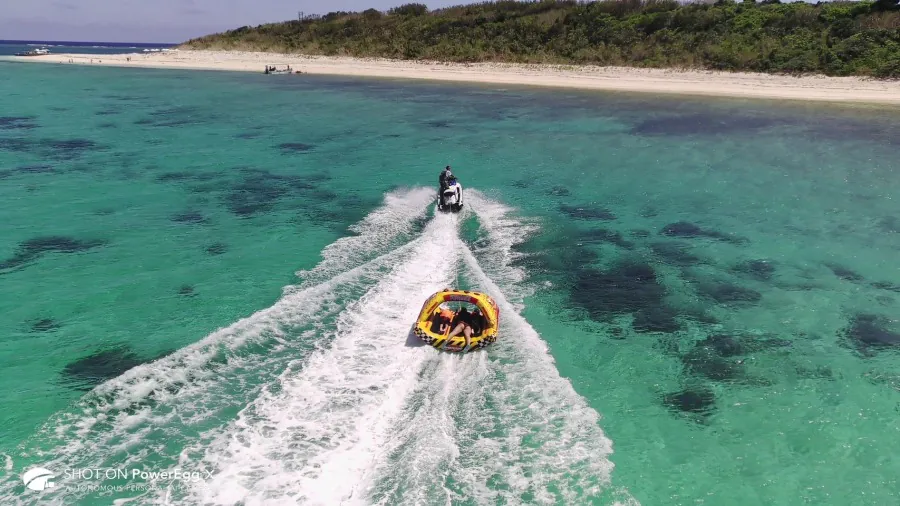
216	273
11	47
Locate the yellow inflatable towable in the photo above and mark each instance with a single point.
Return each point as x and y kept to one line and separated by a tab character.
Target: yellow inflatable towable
438	319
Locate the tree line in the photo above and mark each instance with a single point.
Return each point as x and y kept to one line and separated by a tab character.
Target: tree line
832	38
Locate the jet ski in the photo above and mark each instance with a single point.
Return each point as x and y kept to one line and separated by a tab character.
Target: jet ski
451	199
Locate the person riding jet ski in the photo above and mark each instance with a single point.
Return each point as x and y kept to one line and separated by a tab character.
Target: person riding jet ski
444	179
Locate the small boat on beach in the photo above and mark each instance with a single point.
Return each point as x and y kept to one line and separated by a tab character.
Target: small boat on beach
34	52
279	69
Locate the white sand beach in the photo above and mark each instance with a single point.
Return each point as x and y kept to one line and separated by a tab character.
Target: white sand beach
723	84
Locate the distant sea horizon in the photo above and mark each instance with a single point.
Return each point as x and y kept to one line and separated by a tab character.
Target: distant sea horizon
88	43
11	47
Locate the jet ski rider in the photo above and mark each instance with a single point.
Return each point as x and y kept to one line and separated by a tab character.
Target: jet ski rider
444	179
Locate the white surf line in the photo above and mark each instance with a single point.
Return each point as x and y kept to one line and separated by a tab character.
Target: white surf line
104	430
418	457
504	233
496	426
375	233
313	439
182	386
422	454
551	446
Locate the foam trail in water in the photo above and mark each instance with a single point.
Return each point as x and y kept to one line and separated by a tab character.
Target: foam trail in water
143	415
497	427
541	439
376	233
419	456
496	253
312	439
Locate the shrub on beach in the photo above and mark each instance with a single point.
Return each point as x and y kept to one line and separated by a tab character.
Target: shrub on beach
834	38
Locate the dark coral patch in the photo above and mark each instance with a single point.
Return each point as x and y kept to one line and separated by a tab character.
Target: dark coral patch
844	273
675	253
17	123
629	288
884	285
698	403
890	224
35	169
601	235
438	124
68	149
15	145
705	361
217	248
682	229
32	249
323	195
559	191
44	325
253	197
726	346
85	373
728	293
260	190
174	177
319	177
588	212
762	270
690	230
295	147
624	289
189	217
554	258
701	124
173	117
656	319
868	333
179	177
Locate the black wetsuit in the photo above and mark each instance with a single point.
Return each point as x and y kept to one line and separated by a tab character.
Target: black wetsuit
436	323
477	322
443	180
461	317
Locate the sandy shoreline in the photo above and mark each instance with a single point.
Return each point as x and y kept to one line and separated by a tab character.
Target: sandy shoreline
817	88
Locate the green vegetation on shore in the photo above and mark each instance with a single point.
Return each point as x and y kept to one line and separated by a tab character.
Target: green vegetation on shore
833	38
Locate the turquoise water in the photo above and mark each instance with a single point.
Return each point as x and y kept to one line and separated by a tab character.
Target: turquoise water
217	272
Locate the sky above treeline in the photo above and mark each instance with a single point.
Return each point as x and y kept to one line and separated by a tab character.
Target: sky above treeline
163	21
